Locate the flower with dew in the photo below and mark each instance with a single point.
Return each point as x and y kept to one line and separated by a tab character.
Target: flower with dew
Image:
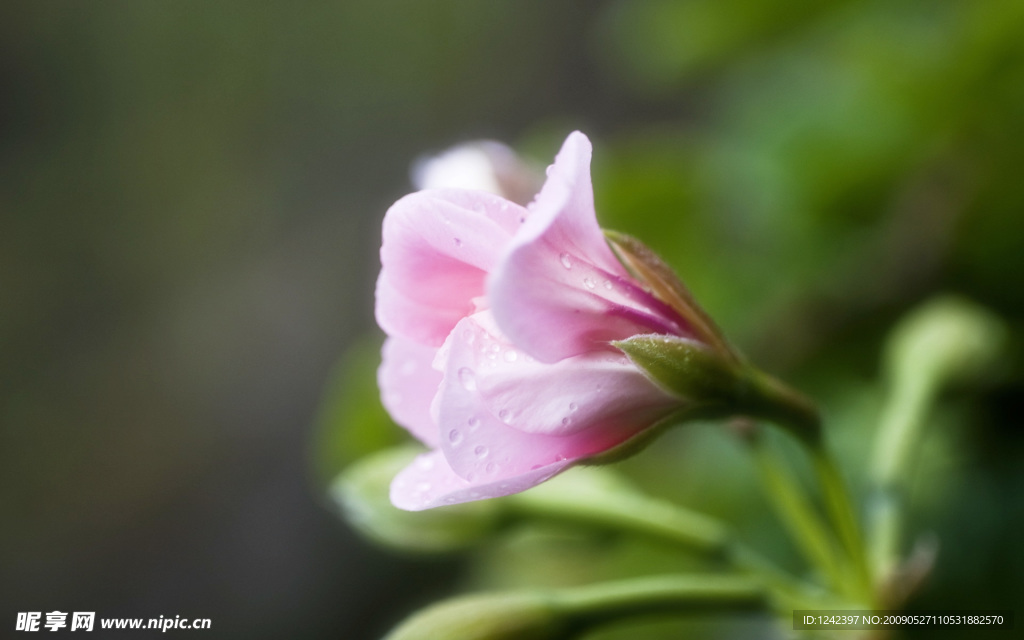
519	343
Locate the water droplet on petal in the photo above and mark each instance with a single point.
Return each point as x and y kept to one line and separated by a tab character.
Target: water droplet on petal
480	451
505	416
511	355
588	283
608	285
490	468
470	477
467	378
458	242
573	406
455	437
566	422
474	423
566	260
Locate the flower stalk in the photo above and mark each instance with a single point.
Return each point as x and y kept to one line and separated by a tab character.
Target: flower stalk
561	614
946	340
598	499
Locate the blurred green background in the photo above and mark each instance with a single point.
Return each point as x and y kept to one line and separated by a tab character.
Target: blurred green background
190	201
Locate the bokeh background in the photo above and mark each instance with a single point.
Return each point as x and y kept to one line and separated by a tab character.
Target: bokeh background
190	203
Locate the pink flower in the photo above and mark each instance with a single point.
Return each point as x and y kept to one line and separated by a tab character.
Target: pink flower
499	322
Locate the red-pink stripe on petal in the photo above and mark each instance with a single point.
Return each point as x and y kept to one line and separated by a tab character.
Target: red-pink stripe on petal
558	291
500	417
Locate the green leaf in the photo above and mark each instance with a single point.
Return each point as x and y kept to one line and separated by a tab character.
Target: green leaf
351	422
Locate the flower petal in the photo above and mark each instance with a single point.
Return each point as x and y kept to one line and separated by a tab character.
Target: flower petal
500	418
437	248
552	399
408	384
429	482
398	315
559	291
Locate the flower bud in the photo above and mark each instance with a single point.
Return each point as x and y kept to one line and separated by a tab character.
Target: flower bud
947	338
362	493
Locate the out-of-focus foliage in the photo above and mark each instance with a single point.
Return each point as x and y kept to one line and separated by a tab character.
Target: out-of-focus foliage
842	153
352	422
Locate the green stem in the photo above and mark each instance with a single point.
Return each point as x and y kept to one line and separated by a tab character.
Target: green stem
797	515
601	603
560	614
767	398
844	518
900	427
598	499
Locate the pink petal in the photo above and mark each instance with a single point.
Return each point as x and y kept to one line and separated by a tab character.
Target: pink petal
437	248
564	208
429	482
552	399
559	291
408	384
501	417
398	315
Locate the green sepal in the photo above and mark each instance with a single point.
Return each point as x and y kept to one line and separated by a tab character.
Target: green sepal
711	385
660	280
687	369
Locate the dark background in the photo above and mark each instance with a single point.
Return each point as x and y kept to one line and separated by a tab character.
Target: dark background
190	201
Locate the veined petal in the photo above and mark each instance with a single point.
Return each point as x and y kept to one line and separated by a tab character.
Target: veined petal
399	315
408	384
430	482
559	291
500	417
552	399
438	247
